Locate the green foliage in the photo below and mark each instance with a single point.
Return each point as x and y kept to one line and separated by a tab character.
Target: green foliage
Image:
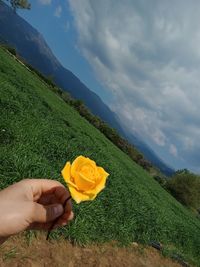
185	187
10	49
161	180
40	132
47	79
10	254
23	4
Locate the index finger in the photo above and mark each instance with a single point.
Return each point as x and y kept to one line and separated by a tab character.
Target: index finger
65	198
41	187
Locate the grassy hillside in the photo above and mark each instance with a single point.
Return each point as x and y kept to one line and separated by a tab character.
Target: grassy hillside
39	132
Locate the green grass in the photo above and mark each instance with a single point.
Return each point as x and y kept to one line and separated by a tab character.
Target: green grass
39	132
12	253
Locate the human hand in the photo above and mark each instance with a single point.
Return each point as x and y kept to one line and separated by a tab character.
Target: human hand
33	204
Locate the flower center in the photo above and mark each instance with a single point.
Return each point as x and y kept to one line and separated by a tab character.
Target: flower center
89	173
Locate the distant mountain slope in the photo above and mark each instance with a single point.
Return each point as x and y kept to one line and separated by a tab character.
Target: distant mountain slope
150	155
31	45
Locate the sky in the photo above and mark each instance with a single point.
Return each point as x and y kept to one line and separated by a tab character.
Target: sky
141	57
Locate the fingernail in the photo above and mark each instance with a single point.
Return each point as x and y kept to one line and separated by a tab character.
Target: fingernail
58	210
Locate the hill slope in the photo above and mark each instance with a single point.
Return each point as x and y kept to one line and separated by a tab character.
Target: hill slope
31	45
39	132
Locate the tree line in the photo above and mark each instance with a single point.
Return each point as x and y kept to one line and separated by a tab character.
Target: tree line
22	4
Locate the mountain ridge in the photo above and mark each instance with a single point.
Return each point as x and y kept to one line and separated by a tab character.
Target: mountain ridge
31	45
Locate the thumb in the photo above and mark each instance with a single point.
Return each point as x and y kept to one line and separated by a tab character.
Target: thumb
44	214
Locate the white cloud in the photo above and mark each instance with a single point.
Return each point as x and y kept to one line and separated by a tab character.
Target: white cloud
147	53
45	2
58	11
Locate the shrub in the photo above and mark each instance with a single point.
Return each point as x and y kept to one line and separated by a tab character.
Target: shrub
10	49
161	180
185	187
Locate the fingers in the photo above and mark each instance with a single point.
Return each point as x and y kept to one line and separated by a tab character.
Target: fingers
64	219
59	195
40	226
45	214
52	199
62	194
48	199
67	216
46	226
41	187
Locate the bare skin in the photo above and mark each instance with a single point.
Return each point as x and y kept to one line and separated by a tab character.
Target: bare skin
33	204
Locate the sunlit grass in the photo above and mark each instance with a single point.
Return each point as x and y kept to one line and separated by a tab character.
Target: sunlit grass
39	132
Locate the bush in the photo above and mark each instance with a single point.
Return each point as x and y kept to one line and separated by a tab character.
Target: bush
161	180
185	187
10	49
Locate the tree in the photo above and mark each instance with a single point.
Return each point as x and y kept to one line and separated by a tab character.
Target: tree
23	4
185	187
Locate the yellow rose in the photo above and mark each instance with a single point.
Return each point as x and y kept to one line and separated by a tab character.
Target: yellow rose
84	178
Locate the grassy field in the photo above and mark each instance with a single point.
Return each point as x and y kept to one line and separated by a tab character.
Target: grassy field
39	132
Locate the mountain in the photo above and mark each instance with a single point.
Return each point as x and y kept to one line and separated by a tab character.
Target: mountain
31	45
150	154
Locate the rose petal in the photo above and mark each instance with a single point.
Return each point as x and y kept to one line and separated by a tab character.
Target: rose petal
79	162
100	185
66	173
78	196
102	173
83	183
